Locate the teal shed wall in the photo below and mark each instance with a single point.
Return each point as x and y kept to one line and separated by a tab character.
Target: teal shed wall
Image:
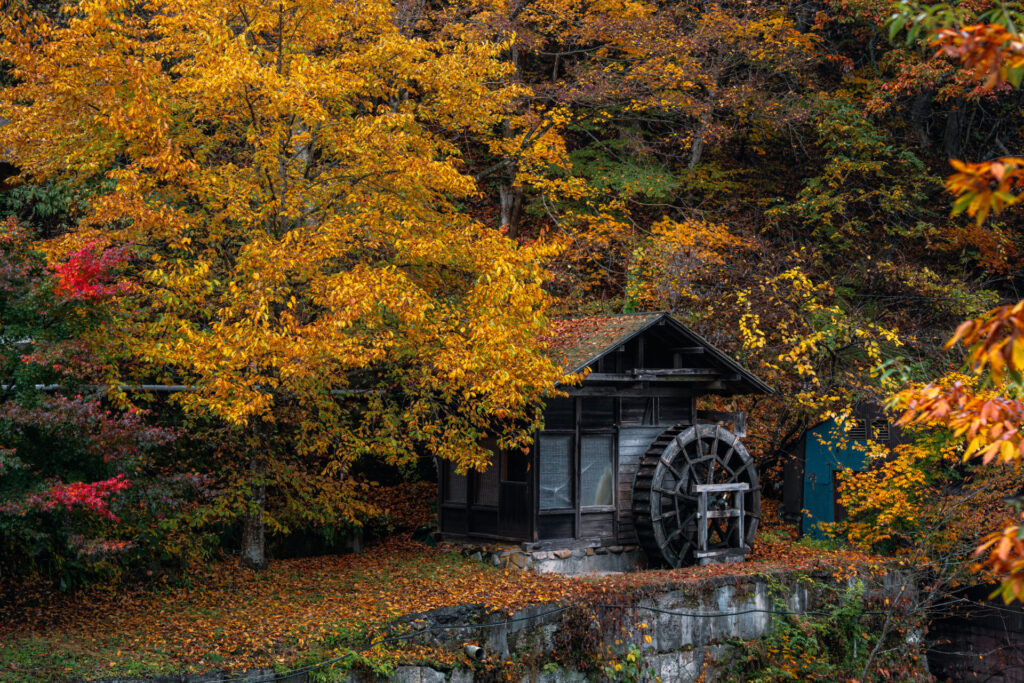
825	451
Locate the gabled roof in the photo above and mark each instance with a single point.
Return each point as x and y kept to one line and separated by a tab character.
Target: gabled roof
579	342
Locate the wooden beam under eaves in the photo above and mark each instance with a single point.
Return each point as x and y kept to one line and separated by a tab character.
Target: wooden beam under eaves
638	390
661	376
675	372
688	349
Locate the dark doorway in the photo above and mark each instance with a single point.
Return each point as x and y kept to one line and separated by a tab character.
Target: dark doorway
514	499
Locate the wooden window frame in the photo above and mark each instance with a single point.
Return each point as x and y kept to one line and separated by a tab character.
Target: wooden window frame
446	471
613	433
573	466
503	463
475	490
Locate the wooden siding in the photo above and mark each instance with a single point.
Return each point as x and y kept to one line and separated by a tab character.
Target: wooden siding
673	410
633	443
453	521
483	521
597	525
825	452
550	527
514	509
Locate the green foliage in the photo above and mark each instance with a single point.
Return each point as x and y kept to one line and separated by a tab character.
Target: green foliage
340	671
811	648
819	543
868	188
614	165
22	659
49	209
630	667
711	182
919	20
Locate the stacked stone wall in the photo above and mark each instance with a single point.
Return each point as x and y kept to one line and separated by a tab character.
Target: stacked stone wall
571	561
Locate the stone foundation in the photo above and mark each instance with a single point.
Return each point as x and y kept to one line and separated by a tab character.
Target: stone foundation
572	561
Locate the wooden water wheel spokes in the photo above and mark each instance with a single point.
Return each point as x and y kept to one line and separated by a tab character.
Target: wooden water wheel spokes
696	497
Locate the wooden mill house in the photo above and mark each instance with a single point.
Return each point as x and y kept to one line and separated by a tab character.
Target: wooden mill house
626	460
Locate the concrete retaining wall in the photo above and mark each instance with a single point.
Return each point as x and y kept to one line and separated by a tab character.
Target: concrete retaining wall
689	632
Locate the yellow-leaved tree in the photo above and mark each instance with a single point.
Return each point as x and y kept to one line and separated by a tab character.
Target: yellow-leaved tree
287	177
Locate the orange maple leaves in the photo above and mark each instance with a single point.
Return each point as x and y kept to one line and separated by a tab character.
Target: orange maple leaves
989	51
986	187
1005	551
991	419
996	340
995	56
991	422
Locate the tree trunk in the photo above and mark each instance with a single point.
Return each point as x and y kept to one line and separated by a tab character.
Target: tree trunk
253	536
951	140
510	194
511	205
920	111
697	149
804	14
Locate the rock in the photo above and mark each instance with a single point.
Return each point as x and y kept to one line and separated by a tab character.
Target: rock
540	555
563	554
615	549
557	676
418	674
428	675
476	556
590	551
405	674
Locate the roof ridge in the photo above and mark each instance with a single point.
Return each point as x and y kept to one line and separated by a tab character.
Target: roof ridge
612	315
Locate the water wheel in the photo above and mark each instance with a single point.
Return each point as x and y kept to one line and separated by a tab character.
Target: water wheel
696	497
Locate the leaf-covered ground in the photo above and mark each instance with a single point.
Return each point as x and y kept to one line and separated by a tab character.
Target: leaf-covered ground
304	611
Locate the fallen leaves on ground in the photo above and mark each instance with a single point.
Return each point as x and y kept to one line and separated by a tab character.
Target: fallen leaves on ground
232	618
409	505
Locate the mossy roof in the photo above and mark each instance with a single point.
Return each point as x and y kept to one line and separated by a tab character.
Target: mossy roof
576	342
579	342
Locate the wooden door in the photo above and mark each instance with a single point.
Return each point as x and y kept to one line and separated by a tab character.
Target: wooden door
514	498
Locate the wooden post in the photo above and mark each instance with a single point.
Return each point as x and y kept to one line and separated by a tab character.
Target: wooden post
741	506
702	521
575	476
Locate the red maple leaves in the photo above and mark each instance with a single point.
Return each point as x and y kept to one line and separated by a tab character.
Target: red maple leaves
87	274
93	496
